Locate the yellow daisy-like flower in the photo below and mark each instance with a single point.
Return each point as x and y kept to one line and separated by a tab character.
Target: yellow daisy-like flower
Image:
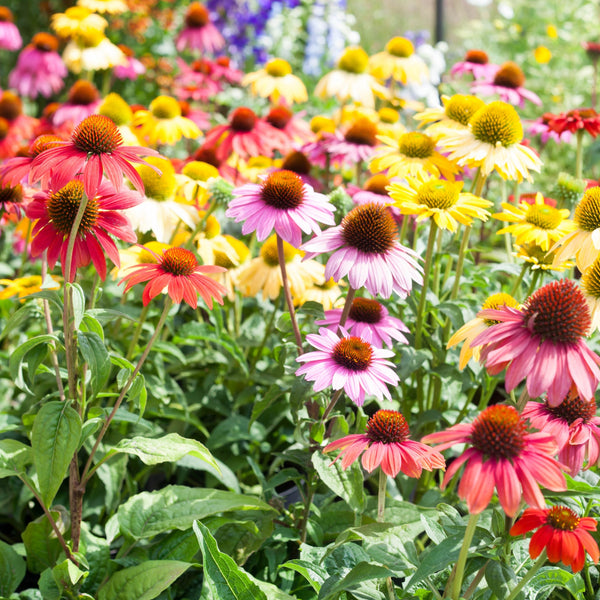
539	223
24	286
399	62
440	200
492	143
276	81
388	123
321	124
77	20
138	255
590	286
327	294
542	55
351	81
409	155
254	167
263	273
112	7
469	331
120	112
540	259
584	242
454	114
92	52
192	182
163	123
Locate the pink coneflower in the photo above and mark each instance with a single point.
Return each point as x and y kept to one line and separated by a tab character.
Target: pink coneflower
95	148
196	81
199	117
541	127
21	126
10	38
576	120
40	69
349	363
15	169
292	126
476	63
282	202
54	211
356	145
319	151
83	100
132	68
369	320
366	249
375	190
245	134
13	199
298	163
508	82
501	455
386	443
543	342
199	33
209	155
222	69
574	425
9	142
177	271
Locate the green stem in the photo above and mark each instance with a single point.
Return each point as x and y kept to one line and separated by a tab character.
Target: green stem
288	294
589	588
528	576
358	172
423	297
347	307
579	155
437	268
137	332
507	236
201	224
268	329
331	405
533	284
462	557
381	496
519	280
404	227
523	399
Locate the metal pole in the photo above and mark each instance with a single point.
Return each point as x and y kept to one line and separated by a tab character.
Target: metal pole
439	20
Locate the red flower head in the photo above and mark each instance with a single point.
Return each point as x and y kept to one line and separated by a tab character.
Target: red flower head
575	120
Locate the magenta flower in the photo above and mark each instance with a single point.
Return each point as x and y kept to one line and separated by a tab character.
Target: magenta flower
10	38
501	455
477	64
575	427
541	127
349	363
356	145
54	211
368	320
386	443
196	81
83	100
16	168
282	202
132	68
199	33
366	249
96	148
543	342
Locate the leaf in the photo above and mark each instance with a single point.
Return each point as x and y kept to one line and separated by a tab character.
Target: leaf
96	356
314	574
15	362
66	574
347	484
18	318
225	579
78	303
363	571
549	578
170	448
500	578
54	440
12	567
41	544
178	545
177	507
437	558
143	582
14	457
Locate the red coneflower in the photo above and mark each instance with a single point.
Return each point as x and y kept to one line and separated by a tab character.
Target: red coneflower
574	120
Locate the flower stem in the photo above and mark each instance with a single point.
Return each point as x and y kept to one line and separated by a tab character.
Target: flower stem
137	332
528	576
201	223
519	280
579	155
423	297
404	228
347	306
288	294
462	557
331	404
533	283
507	236
358	172
381	496
523	399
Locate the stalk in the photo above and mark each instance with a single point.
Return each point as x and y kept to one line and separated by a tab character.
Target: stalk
288	295
528	576
462	557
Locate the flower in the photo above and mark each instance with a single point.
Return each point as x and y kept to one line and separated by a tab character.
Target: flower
508	82
543	342
539	223
399	62
492	142
439	199
276	81
199	33
356	145
10	38
77	20
576	120
574	425
541	126
326	293
411	154
20	127
83	100
365	248
39	70
538	258
386	443
470	330
561	532
476	62
542	55
455	114
292	126
92	52
177	271
11	198
368	320
347	362
95	148
113	7
196	81
54	211
163	123
590	286
501	455
131	68
282	202
24	286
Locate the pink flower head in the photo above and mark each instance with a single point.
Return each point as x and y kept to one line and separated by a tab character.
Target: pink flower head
319	151
222	69
375	190
350	363
501	455
96	148
83	100
541	127
21	127
132	68
356	145
54	211
575	427
196	81
178	273
366	249
295	130
476	63
508	83
199	33
10	38
368	320
386	443
544	343
282	202
40	70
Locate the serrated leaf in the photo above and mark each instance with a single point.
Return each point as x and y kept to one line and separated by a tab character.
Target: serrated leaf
12	567
14	457
142	582
225	579
54	440
436	558
15	362
347	484
96	356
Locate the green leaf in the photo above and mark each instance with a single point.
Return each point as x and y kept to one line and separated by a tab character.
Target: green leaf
78	303
177	507
500	578
54	439
67	574
363	571
225	579
143	582
41	544
170	448
178	545
15	362
96	356
549	578
12	567
14	457
437	558
18	318
347	484
314	574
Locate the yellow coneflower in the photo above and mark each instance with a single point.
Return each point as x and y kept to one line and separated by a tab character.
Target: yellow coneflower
399	62
455	114
276	80
25	286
